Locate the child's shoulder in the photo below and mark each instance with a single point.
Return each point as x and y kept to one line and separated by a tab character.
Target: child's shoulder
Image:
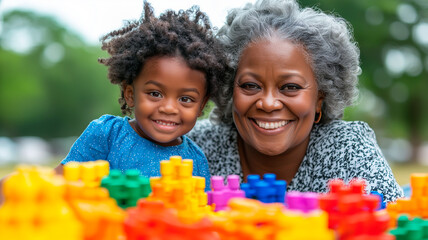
110	120
108	123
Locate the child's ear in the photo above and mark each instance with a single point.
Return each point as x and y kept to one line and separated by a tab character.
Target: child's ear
128	93
204	102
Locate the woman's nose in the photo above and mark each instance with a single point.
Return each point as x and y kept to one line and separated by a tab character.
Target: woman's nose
168	106
268	103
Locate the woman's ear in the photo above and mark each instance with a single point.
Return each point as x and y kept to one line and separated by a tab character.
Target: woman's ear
128	93
319	101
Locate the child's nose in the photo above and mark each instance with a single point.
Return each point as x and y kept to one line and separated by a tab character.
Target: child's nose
169	106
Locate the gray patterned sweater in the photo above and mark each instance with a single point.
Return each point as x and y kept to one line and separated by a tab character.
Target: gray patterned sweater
339	149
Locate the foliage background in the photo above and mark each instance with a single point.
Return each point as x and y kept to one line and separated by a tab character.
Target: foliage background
55	87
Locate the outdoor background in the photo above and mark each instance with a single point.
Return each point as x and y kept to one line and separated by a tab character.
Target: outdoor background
51	85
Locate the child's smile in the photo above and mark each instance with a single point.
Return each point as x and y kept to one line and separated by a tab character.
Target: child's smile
167	126
167	97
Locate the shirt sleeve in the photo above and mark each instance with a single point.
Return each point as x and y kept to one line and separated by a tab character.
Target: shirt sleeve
93	144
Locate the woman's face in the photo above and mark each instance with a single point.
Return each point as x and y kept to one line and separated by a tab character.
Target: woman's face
275	97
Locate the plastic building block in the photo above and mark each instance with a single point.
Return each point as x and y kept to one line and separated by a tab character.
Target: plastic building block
382	203
251	219
220	194
352	213
90	172
268	190
101	217
35	207
152	220
414	206
127	189
416	229
304	202
178	189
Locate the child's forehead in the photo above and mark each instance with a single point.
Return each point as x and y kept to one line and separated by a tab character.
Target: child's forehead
171	72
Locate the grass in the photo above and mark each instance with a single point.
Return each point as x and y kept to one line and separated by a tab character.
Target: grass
402	171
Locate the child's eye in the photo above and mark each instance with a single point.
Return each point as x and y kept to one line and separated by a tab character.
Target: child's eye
290	87
186	99
249	86
155	94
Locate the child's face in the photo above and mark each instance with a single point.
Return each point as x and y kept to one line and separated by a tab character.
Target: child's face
167	97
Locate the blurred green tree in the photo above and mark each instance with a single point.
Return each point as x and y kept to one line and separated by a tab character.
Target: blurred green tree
51	84
393	39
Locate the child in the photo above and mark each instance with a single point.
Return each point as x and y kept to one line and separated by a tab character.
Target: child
166	68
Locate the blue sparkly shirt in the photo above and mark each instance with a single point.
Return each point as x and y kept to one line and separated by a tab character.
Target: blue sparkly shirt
113	139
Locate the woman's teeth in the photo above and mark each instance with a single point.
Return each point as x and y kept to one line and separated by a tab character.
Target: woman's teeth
271	125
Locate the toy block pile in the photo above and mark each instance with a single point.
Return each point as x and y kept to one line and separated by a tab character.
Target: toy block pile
88	202
352	213
267	190
126	188
221	194
90	173
302	201
415	229
35	207
251	219
96	210
153	221
178	189
416	205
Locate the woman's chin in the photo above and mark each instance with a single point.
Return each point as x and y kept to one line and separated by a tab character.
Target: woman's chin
271	150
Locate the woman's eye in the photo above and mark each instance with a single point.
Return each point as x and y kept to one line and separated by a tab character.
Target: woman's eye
155	94
186	99
291	87
249	86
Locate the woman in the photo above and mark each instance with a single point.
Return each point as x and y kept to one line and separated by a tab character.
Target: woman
294	72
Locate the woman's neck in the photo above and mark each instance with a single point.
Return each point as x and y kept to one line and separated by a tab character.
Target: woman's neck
284	166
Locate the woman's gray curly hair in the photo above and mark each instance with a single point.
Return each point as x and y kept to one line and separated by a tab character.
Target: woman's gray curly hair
327	39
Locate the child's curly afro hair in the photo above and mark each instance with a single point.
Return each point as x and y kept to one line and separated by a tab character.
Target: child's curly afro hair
186	34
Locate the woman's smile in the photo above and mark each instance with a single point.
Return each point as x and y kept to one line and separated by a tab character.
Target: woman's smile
270	124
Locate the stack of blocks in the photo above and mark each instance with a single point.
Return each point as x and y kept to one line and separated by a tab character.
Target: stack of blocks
35	207
178	189
126	188
153	221
251	219
90	173
221	194
304	202
382	203
415	229
416	205
352	213
266	190
100	215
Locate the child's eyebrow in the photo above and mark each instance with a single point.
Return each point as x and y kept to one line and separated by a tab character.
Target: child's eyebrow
190	90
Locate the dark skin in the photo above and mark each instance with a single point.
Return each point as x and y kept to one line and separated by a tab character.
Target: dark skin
276	99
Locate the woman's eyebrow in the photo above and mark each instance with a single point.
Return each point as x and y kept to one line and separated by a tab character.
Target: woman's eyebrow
252	74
